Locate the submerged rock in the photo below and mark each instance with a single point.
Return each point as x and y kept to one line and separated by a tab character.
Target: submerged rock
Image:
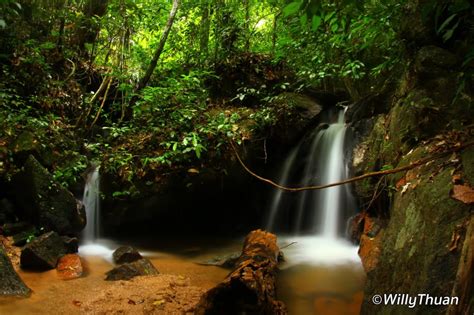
69	267
126	254
10	284
226	261
45	202
43	252
141	267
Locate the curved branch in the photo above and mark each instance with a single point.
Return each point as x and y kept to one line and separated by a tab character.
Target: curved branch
353	179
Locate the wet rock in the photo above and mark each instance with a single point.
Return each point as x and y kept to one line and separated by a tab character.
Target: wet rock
69	267
43	252
46	202
10	284
226	261
370	243
126	254
355	227
71	244
141	267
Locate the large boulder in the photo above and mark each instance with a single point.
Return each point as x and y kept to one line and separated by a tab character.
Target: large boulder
43	252
45	202
10	284
141	267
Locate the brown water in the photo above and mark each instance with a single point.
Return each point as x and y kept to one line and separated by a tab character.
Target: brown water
306	289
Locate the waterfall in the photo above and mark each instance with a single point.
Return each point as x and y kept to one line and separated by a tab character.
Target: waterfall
317	160
91	201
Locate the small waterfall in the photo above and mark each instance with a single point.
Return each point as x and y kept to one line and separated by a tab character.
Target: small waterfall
319	159
91	201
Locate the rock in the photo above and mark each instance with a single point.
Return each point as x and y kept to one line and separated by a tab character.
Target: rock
355	227
43	252
71	244
141	267
69	267
126	254
370	243
46	202
22	238
226	261
434	60
301	112
10	284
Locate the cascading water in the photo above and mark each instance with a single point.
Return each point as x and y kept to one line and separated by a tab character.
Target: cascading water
316	217
92	245
91	201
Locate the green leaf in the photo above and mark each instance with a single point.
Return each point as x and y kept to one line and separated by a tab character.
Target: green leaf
2	23
291	8
304	19
315	23
445	23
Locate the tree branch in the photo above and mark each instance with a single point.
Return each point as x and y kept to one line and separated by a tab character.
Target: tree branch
353	179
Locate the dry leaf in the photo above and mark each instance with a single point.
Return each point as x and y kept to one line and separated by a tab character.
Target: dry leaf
456	179
401	183
463	193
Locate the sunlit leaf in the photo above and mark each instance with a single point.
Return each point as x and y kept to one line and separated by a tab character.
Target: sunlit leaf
315	23
291	8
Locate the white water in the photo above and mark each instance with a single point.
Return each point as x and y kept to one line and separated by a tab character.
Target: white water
316	217
91	201
92	244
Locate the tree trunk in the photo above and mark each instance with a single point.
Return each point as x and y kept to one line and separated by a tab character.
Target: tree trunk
250	287
205	26
246	25
274	33
144	81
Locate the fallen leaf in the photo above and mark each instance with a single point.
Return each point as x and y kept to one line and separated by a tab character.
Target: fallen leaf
193	171
131	302
401	183
456	179
463	193
76	303
159	302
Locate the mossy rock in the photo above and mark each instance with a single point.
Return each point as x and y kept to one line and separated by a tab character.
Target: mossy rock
10	284
45	202
416	255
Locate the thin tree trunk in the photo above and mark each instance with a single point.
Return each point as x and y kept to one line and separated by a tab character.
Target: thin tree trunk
144	81
274	35
246	25
205	25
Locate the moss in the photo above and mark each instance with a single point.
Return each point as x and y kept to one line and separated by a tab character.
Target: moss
415	257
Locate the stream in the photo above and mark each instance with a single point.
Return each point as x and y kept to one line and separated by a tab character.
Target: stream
324	287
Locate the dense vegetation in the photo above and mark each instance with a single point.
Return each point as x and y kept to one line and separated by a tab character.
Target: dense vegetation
102	80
